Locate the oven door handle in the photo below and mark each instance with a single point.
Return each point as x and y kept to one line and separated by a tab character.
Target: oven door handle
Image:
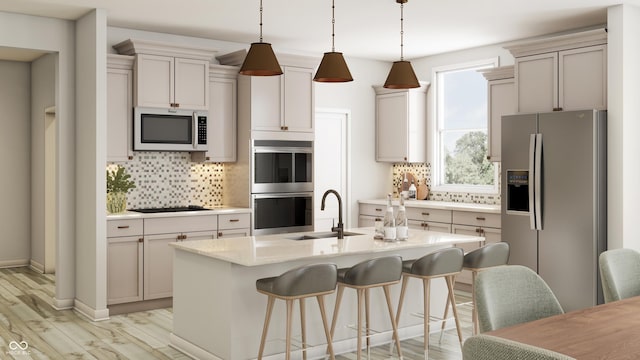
282	195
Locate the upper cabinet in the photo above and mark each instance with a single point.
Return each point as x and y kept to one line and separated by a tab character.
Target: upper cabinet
501	101
222	129
278	104
169	76
119	108
401	124
567	72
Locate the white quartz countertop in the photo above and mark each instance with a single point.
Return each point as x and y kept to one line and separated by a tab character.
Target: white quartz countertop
443	205
212	211
270	249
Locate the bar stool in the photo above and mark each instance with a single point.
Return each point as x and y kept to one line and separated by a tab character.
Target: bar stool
490	255
298	284
444	263
378	272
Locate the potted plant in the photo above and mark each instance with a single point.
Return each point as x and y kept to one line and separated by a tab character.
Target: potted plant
118	184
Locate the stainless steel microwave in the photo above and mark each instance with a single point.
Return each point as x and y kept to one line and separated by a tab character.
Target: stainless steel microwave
157	129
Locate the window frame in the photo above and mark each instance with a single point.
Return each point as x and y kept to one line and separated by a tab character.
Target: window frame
434	132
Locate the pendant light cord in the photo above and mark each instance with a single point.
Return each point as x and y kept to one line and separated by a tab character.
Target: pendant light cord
333	26
401	31
260	20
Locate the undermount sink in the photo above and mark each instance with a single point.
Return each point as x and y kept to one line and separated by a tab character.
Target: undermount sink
322	235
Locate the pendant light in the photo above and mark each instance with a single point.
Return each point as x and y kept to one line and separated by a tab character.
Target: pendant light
260	60
401	75
333	68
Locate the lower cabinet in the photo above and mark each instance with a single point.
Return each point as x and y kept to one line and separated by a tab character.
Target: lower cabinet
471	223
124	264
140	263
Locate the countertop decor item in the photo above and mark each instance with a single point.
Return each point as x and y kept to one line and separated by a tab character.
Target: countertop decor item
423	190
118	184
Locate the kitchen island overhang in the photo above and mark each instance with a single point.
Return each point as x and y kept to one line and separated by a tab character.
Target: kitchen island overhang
218	314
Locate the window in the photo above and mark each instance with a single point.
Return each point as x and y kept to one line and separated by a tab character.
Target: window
459	140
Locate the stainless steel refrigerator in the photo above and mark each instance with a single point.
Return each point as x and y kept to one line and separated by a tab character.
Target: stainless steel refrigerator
554	199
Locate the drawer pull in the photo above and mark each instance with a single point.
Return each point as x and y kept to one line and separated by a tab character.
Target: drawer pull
234	220
377	209
426	214
481	218
123	226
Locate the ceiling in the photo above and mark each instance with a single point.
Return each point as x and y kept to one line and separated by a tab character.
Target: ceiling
364	28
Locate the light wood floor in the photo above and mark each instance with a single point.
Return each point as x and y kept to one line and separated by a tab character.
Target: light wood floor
27	319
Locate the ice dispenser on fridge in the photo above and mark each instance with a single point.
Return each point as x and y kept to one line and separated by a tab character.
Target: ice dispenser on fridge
518	192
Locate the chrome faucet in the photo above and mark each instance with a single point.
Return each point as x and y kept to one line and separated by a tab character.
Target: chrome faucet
340	228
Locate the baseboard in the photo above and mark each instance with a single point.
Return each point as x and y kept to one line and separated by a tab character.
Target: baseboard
36	266
140	306
89	312
190	349
62	304
14	263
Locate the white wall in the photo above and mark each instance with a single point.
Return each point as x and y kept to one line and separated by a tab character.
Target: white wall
91	127
43	95
57	36
623	126
15	162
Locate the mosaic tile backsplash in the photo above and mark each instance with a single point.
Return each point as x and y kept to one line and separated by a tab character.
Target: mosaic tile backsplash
170	179
422	172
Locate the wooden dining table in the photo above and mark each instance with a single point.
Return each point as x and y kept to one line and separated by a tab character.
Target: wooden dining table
608	331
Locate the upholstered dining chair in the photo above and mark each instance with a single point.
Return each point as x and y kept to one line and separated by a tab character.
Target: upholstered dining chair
512	294
487	347
620	273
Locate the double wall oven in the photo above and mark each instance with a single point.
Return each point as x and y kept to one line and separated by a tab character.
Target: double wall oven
282	186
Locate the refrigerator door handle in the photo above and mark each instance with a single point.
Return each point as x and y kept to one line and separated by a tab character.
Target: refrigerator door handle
532	158
538	183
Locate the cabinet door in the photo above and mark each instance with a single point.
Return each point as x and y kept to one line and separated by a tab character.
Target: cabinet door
430	226
392	111
491	235
298	99
537	82
502	101
222	130
124	269
154	84
583	78
119	114
158	265
266	105
465	276
191	84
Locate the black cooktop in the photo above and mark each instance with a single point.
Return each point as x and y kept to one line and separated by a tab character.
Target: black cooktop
170	209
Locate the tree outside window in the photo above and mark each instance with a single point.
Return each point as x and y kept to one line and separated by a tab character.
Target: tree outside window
460	159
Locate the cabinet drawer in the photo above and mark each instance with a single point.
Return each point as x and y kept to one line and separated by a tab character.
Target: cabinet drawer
118	228
233	221
430	226
166	225
425	214
373	210
476	219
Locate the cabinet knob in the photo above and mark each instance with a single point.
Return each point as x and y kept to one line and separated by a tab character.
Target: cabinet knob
488	157
130	157
140	240
207	158
177	105
405	158
219	234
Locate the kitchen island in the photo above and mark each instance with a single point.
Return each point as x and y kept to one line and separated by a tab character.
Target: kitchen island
218	314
